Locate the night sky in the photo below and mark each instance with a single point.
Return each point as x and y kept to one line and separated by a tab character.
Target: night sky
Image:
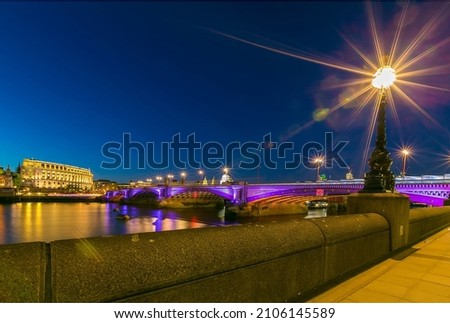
75	76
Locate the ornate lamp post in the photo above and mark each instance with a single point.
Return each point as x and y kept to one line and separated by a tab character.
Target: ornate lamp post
380	178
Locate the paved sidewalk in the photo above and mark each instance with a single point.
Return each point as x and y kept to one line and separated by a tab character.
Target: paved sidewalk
419	274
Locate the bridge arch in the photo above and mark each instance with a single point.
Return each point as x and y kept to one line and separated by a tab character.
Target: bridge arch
223	192
145	194
134	193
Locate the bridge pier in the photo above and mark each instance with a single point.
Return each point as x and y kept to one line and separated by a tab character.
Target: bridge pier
393	206
239	194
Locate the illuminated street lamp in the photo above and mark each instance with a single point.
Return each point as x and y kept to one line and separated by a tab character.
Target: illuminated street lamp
318	162
159	179
380	178
384	78
183	177
405	152
200	173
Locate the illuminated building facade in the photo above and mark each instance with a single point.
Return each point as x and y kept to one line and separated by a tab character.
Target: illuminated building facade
40	174
6	178
103	185
226	179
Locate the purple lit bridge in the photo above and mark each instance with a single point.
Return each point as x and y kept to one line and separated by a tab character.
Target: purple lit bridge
431	191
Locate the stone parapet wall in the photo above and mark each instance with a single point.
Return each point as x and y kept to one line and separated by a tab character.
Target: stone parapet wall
424	222
265	262
23	272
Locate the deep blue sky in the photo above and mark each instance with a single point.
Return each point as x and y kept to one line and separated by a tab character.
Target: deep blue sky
74	76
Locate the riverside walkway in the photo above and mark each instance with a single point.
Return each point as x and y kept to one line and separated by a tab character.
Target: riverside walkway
420	274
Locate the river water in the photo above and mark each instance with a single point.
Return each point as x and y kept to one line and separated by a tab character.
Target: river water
46	222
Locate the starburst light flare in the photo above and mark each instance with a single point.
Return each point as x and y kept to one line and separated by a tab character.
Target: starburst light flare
391	76
384	77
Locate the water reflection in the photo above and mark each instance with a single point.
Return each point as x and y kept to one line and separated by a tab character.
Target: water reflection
27	222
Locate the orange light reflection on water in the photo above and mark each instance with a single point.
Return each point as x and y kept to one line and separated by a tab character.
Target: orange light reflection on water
46	222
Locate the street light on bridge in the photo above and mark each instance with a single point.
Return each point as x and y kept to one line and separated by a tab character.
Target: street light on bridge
318	162
200	173
405	152
183	177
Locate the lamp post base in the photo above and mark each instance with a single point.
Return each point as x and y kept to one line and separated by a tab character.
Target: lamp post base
394	207
373	184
